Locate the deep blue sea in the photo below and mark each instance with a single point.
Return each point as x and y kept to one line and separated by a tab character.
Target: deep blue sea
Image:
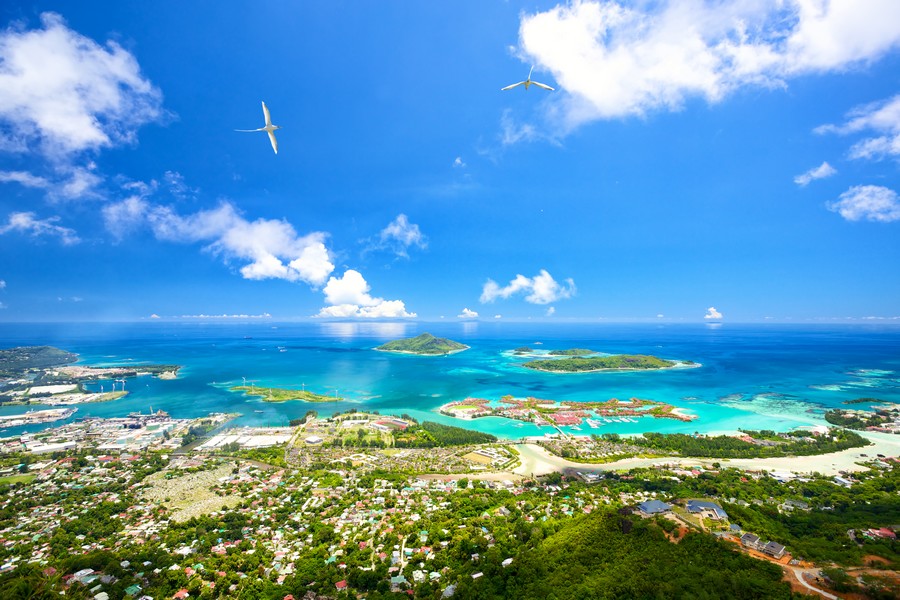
753	376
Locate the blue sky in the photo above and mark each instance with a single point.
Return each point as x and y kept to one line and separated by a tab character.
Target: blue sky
726	160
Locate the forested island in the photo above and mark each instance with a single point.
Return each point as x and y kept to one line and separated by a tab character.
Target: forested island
618	362
425	345
572	352
272	394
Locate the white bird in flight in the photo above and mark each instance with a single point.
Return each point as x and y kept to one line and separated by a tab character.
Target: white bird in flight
527	83
269	128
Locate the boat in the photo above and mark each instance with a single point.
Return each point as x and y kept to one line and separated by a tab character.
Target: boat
593	423
259	411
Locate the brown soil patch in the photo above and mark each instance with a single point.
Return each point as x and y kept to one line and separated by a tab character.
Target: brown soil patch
873	561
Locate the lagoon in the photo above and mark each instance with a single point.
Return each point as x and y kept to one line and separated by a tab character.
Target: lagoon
752	376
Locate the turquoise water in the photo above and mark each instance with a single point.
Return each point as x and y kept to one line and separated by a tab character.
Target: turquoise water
753	376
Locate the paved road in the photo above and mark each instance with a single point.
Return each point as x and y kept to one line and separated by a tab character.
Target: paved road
799	573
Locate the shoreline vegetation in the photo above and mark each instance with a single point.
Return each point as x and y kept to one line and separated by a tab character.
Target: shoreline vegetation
45	375
423	345
552	413
272	394
579	360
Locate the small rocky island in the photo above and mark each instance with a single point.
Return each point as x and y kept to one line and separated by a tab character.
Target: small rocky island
424	345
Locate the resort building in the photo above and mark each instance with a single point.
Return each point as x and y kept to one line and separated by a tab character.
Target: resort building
653	507
707	510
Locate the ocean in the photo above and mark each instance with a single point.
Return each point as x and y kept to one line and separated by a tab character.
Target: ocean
776	377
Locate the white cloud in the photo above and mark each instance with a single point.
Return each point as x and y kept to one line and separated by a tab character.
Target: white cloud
351	288
176	185
660	316
77	183
513	132
869	203
154	316
541	289
271	248
65	183
551	311
467	314
2	284
498	316
712	313
26	223
24	178
821	172
65	93
348	296
881	117
458	163
613	60
222	316
398	237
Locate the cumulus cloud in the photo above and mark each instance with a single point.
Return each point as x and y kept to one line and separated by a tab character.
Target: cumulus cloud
882	118
467	314
458	163
821	172
348	296
2	284
65	93
270	248
498	316
712	313
614	60
868	203
398	237
540	289
551	311
26	223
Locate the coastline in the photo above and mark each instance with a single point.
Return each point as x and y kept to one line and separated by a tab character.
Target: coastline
537	461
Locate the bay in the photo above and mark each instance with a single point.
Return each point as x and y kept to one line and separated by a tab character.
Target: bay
752	376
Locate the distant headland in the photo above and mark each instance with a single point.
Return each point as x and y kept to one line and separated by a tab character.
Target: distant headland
424	345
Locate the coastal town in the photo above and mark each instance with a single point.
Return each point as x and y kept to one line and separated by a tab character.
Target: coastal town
360	504
557	414
320	508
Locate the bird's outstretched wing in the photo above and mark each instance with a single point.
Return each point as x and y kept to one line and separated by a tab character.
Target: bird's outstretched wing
266	113
542	85
274	141
509	87
251	130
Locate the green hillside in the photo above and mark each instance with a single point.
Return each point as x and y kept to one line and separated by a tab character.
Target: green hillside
425	344
15	361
